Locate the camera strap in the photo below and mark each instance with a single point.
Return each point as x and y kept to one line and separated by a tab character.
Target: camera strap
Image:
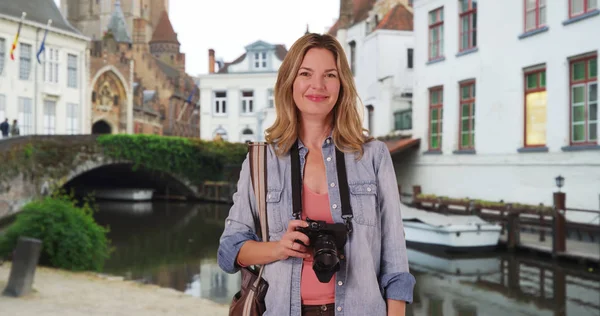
342	185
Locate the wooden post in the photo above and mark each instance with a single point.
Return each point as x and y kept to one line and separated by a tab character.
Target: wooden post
559	288
24	263
559	243
514	230
542	231
416	193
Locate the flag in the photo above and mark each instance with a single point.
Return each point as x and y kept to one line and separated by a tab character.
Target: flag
14	45
43	45
189	99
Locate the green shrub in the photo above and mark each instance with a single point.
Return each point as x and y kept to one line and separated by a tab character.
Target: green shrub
71	239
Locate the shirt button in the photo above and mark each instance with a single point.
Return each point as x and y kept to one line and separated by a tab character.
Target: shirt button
228	222
328	158
340	283
332	184
368	189
342	257
334	206
339	308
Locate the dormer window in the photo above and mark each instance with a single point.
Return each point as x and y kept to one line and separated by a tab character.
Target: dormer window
260	60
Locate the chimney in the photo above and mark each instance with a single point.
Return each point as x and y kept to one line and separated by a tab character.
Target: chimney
211	61
346	10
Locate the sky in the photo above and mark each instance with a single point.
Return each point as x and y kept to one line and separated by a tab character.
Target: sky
227	26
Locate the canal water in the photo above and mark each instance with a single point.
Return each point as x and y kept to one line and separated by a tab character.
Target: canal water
174	245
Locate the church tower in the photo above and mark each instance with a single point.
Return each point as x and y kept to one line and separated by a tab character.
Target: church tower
164	44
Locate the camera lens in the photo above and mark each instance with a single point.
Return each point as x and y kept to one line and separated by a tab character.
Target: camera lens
326	262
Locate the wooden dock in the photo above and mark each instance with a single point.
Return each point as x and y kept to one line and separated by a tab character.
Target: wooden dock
575	250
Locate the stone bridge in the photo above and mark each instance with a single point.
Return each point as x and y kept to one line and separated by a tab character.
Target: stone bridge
33	166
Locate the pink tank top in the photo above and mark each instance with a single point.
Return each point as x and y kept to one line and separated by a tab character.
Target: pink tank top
313	292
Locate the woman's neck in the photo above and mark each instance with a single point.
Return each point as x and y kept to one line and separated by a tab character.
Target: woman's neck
313	133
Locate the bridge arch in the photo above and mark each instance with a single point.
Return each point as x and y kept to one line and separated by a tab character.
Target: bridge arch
122	169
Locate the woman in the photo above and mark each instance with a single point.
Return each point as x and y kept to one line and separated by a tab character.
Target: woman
316	104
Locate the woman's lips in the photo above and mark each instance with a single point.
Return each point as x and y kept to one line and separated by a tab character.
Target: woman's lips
316	98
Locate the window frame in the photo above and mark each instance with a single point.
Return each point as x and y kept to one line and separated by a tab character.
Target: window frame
586	82
537	8
219	104
527	91
72	126
260	60
49	117
72	70
471	12
410	58
400	114
2	54
352	59
25	120
51	65
25	60
270	98
586	8
247	102
439	23
472	101
440	118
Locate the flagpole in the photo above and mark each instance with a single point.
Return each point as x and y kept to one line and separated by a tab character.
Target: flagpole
14	45
43	45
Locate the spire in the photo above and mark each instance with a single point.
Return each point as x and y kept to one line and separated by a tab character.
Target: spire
164	33
117	25
307	31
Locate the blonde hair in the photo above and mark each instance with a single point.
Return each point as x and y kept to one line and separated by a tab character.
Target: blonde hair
348	133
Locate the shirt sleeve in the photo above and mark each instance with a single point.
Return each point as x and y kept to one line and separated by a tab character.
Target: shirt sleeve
239	224
395	278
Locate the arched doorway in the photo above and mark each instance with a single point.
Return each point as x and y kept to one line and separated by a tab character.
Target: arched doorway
247	135
109	99
101	127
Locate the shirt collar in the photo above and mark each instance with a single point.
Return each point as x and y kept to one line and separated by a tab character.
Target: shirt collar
328	140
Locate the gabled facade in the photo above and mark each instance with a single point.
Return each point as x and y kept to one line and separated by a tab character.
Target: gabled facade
45	95
378	39
506	96
237	101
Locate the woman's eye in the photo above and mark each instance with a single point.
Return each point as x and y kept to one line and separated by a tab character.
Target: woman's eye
331	75
304	73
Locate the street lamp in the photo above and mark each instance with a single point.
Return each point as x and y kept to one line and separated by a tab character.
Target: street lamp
560	181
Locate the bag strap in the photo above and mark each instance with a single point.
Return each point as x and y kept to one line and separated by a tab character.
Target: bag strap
258	172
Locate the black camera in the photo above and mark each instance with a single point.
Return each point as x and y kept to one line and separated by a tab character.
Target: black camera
327	240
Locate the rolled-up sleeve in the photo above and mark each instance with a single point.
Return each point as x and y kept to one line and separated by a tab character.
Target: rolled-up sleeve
395	279
239	224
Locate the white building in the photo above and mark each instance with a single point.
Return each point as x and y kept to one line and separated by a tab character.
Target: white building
237	101
46	97
378	39
505	104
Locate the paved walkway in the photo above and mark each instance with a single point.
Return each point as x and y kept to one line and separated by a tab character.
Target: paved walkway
64	293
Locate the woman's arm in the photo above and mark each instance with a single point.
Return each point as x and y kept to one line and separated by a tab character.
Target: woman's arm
396	308
394	274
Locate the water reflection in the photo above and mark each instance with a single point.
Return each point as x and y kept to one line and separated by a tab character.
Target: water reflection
175	244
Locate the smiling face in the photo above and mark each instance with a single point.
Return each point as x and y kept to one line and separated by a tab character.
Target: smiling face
317	84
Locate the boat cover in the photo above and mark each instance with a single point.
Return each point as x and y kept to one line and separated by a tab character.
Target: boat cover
435	219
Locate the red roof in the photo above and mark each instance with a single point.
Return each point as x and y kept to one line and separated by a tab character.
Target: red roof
164	33
397	146
398	18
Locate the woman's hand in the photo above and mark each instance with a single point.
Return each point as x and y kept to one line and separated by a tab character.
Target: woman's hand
288	246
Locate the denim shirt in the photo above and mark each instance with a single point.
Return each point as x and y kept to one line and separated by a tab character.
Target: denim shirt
375	266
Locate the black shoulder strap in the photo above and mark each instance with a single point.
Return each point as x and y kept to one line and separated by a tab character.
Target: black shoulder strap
342	179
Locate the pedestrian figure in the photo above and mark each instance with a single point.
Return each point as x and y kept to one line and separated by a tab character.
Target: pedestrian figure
4	128
14	130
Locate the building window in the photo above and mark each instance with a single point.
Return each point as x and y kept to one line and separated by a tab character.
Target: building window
2	54
436	103
51	65
436	33
409	56
584	100
467	115
271	99
468	24
72	71
220	102
220	133
260	60
247	101
352	56
535	14
25	118
72	119
579	7
403	120
49	117
370	112
25	61
535	107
